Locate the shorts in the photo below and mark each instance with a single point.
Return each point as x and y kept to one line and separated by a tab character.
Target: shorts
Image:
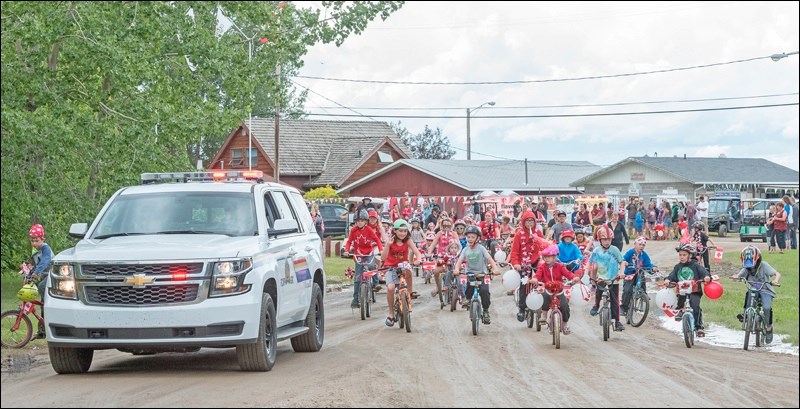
631	223
392	276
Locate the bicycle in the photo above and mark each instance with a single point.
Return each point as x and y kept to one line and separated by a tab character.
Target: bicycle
476	313
17	329
605	309
555	322
531	316
402	301
687	318
639	305
754	322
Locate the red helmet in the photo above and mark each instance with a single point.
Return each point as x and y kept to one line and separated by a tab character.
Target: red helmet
567	233
37	230
604	232
373	213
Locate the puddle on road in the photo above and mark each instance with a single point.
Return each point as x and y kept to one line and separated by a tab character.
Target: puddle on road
729	338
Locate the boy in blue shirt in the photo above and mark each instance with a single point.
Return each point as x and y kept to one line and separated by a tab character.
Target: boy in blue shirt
636	259
569	253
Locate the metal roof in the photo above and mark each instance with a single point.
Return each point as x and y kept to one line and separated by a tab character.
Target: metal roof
477	175
710	170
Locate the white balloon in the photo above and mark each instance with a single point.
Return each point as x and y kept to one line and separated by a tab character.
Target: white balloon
666	299
585	279
500	256
534	301
511	280
580	294
660	233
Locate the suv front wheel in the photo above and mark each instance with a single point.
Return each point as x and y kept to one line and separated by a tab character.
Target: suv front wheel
261	355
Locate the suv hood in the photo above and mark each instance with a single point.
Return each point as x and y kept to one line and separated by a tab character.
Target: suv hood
159	247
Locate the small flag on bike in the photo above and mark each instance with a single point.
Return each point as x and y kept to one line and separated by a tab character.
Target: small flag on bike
718	254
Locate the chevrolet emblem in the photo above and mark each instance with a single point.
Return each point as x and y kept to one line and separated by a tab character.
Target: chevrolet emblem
139	280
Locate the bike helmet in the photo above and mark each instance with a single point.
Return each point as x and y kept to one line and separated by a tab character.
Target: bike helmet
389	222
28	293
579	231
567	233
587	230
415	220
751	256
37	230
459	221
372	213
688	247
473	230
604	232
699	226
399	224
362	215
551	250
640	240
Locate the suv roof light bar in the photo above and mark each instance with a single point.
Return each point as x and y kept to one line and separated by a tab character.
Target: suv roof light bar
216	176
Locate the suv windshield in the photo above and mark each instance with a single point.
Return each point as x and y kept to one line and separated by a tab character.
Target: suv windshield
231	214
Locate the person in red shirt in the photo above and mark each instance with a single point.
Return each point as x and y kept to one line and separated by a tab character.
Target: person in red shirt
550	271
374	223
396	254
528	242
490	231
362	242
407	211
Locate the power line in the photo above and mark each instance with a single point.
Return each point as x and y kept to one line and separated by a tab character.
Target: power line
674	111
594	77
573	105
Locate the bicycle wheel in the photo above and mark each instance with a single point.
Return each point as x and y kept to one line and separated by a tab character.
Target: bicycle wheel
363	300
453	299
555	318
367	300
406	316
605	318
688	331
442	296
398	314
640	306
757	325
748	328
537	316
529	318
475	316
15	338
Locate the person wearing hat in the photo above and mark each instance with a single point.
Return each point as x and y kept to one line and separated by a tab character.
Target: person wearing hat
376	226
559	226
40	260
366	204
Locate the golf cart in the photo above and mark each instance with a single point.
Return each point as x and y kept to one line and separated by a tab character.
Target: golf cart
724	215
753	218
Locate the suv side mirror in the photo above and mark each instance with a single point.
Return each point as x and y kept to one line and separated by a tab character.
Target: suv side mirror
283	226
78	230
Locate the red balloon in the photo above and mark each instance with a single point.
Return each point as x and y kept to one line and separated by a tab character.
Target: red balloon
713	290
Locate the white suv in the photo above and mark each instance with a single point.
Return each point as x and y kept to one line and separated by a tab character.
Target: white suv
178	266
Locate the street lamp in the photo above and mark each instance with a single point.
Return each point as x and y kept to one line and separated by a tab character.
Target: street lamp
779	56
469	149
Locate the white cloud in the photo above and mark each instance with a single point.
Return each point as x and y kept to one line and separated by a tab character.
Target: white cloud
510	41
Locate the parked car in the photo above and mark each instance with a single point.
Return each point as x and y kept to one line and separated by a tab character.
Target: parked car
331	215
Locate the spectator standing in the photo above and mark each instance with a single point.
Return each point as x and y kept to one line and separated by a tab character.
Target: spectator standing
316	216
790	221
793	226
631	226
702	210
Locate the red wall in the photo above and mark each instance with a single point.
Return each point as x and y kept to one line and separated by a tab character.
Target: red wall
402	179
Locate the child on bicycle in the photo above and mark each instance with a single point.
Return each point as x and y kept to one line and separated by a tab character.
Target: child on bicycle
528	242
39	263
363	242
756	270
606	263
477	257
636	259
701	240
441	240
689	270
395	253
453	250
568	252
417	234
550	271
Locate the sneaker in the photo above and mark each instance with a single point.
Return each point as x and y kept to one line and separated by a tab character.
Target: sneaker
354	304
542	320
414	295
566	330
740	317
42	335
679	316
510	292
520	316
465	305
593	312
700	333
376	288
619	327
389	321
768	337
486	318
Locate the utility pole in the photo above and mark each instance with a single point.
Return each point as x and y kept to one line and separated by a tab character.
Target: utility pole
526	171
277	124
469	150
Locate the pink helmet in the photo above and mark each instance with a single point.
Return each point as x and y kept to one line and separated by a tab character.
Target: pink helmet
551	250
430	236
640	240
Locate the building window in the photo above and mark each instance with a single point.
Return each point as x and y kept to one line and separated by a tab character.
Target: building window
253	156
385	157
236	158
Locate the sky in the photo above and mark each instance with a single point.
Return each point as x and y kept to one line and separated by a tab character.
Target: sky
543	48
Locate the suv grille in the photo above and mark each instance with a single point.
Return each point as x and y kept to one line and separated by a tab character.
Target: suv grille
152	295
148	269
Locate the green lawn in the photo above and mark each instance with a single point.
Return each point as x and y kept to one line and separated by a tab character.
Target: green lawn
335	268
785	306
12	282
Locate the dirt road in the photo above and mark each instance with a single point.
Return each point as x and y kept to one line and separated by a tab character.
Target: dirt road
364	363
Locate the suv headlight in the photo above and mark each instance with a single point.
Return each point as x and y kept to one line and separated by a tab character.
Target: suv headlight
62	282
228	277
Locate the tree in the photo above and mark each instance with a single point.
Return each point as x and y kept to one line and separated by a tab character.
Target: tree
429	144
95	93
